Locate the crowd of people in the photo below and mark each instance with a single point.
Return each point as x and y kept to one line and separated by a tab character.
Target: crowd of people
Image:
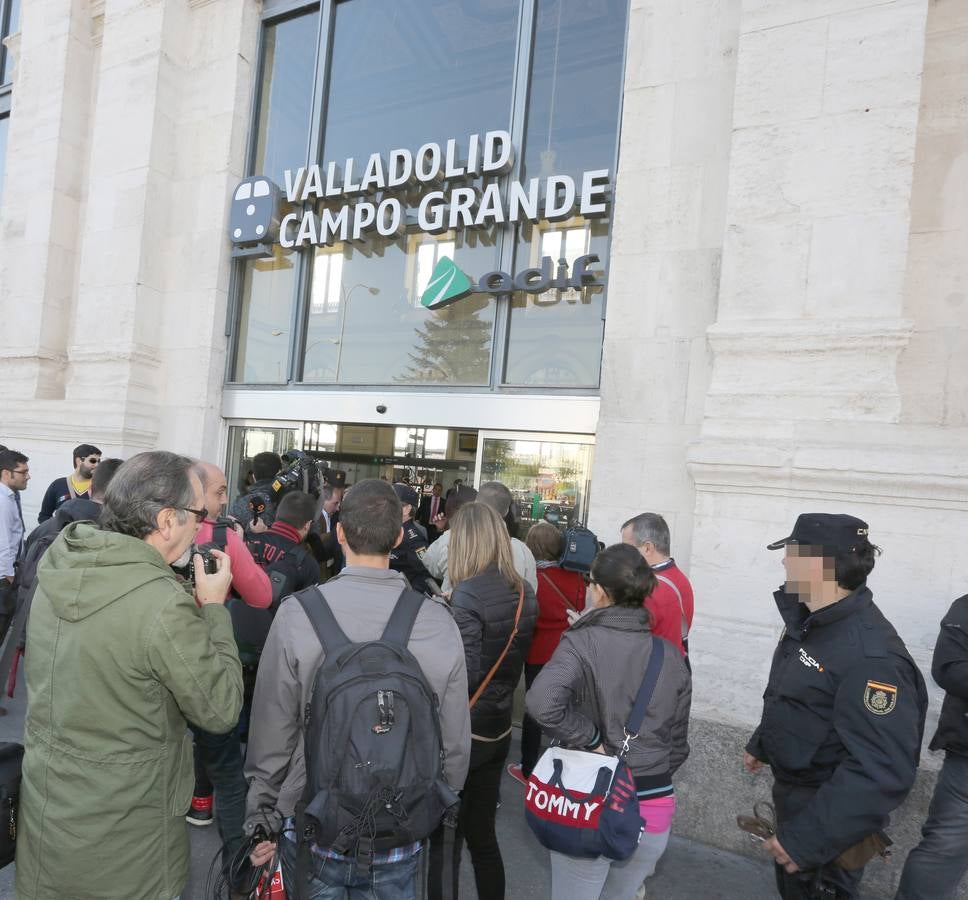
329	674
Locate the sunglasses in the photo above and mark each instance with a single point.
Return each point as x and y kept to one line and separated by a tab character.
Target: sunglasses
200	514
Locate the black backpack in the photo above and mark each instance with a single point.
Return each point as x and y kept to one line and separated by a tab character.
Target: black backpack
374	753
11	758
581	547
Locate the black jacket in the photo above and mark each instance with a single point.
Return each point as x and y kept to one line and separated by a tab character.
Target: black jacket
484	608
259	493
407	559
949	668
843	713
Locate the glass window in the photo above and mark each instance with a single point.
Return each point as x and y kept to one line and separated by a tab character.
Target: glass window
445	70
285	98
265	320
555	338
12	27
4	126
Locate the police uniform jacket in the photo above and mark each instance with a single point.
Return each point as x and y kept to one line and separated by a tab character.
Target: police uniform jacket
407	558
949	668
843	713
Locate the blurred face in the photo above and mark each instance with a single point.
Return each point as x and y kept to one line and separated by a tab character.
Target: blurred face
217	491
16	479
407	512
333	503
629	538
437	490
806	569
85	465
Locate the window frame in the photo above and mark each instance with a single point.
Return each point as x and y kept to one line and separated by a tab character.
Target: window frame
275	11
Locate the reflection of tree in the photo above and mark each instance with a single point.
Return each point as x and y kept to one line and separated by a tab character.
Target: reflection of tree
453	345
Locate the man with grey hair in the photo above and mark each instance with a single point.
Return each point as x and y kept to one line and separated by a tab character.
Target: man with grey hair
671	603
120	654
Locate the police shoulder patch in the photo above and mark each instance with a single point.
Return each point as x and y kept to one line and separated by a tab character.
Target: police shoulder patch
880	698
420	551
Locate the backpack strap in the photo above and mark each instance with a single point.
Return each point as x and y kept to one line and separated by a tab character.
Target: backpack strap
646	690
402	619
321	617
682	609
219	535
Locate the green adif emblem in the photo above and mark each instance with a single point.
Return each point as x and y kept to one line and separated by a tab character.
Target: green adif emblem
447	284
880	698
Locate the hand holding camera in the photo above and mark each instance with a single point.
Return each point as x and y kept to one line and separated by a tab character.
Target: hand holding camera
211	574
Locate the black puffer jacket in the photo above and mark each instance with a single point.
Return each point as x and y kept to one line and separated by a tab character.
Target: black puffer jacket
949	668
484	608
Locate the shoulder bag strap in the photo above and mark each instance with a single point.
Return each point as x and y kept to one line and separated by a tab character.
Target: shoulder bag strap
682	609
514	633
70	487
321	617
644	696
558	591
401	620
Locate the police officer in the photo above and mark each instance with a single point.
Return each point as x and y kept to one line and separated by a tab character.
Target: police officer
407	556
843	712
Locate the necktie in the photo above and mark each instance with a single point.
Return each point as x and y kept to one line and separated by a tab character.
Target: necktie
20	512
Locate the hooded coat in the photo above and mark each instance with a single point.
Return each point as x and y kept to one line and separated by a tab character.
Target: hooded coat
118	657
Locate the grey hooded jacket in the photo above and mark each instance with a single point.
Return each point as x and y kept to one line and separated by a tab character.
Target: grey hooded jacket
583	695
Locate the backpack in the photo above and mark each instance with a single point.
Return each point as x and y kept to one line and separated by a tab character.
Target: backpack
580	549
373	747
11	758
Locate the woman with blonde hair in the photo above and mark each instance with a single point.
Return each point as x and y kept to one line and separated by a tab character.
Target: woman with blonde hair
495	612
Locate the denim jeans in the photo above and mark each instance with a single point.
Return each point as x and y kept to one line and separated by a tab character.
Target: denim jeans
333	879
220	756
936	866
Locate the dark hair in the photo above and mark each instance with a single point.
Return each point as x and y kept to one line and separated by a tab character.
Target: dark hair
545	541
10	459
105	471
144	486
266	465
296	509
851	567
371	514
85	450
624	575
649	528
457	499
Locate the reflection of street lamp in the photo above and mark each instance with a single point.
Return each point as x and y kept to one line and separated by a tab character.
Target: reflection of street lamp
346	292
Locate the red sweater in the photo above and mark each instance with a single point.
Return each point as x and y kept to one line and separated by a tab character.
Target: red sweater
552	609
249	581
664	604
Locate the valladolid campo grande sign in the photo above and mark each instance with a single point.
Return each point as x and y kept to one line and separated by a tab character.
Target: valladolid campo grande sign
438	188
449	283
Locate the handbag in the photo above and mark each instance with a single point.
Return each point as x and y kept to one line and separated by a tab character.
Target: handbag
514	633
584	804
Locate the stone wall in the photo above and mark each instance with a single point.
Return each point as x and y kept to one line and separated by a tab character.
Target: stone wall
127	134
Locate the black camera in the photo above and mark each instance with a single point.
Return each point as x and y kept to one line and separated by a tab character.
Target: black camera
209	562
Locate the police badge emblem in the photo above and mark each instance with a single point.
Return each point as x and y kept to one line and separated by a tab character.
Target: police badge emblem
880	698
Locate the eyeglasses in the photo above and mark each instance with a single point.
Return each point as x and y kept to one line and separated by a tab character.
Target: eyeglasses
93	459
200	514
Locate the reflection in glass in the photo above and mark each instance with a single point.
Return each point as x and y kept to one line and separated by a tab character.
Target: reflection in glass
444	70
265	320
285	102
555	338
421	443
541	474
13	27
4	125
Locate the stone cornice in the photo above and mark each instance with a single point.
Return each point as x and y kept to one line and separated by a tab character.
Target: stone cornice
776	336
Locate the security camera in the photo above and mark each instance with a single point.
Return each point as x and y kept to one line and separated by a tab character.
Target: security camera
381	409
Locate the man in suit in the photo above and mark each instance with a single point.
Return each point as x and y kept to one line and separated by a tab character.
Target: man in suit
430	509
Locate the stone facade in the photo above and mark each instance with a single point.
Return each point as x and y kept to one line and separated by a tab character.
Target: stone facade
787	288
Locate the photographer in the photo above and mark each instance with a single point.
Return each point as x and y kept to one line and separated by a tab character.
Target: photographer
255	510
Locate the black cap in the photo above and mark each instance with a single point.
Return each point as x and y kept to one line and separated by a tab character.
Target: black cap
837	532
406	494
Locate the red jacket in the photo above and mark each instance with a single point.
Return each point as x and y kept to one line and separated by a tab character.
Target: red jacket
664	604
249	581
552	609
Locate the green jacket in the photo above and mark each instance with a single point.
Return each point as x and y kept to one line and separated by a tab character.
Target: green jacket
118	657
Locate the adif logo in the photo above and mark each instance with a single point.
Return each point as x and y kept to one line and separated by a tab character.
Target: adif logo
447	284
809	661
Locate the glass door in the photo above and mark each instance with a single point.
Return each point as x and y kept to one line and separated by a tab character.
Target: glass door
549	475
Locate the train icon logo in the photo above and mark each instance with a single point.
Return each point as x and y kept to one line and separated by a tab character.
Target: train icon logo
254	216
